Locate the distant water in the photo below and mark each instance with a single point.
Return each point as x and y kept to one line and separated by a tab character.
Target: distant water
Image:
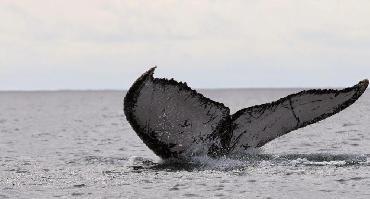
79	145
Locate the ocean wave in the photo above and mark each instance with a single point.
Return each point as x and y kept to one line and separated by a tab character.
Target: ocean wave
256	160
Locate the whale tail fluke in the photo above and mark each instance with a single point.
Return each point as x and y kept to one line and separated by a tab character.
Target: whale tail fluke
175	121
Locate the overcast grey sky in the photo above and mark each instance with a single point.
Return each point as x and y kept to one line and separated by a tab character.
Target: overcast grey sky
93	44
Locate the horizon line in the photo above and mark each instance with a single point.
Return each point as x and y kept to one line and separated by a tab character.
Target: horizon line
125	90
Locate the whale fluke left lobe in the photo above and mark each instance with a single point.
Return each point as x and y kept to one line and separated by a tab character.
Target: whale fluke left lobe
172	119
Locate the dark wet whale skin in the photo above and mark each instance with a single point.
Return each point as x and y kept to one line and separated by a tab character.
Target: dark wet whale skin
175	121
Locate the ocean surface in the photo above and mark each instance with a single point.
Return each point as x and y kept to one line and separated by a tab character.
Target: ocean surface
78	144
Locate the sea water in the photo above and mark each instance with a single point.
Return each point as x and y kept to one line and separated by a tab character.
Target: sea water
78	144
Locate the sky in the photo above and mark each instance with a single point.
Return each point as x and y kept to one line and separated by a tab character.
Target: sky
95	44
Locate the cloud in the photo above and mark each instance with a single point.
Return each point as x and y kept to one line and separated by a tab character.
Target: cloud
101	39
